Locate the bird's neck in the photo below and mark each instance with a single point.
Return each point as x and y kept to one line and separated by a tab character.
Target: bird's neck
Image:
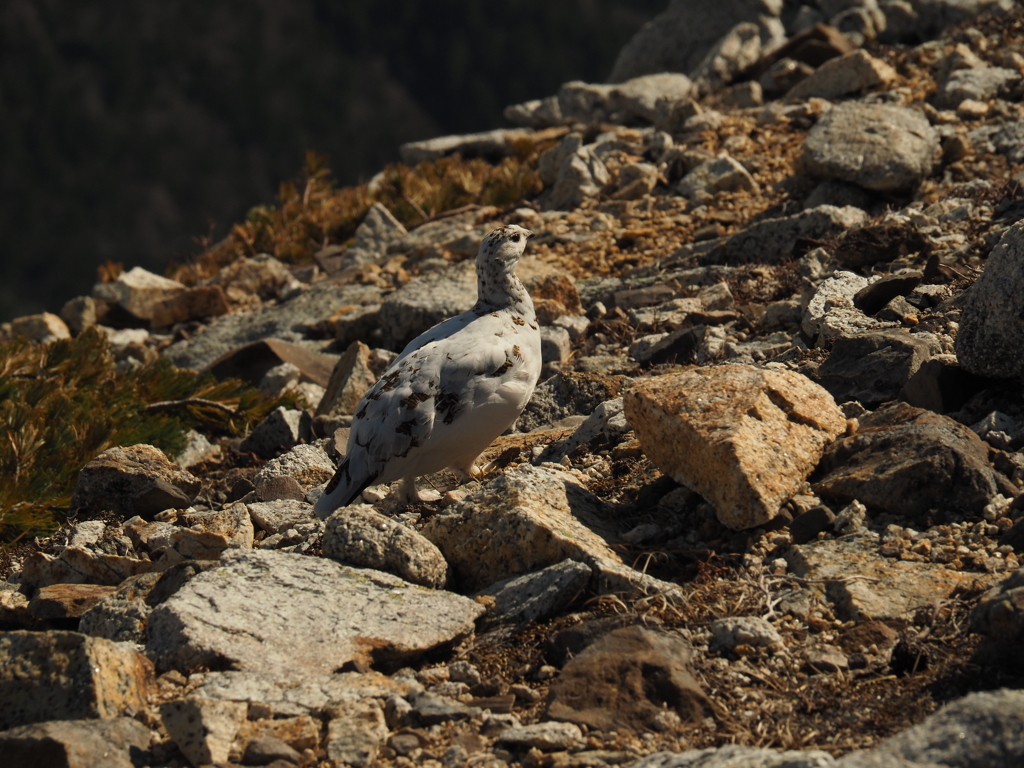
498	288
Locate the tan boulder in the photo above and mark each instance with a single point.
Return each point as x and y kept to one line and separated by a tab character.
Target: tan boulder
745	438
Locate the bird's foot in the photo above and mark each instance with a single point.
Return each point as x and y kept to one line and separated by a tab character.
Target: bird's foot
465	474
407	492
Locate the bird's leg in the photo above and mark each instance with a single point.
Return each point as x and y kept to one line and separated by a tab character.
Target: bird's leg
467	473
407	492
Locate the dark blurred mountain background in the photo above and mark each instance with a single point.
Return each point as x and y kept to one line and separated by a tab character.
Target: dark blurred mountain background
129	131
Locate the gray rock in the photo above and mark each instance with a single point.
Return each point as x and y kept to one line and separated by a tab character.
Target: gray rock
861	584
581	175
607	419
79	313
355	733
301	695
266	749
134	480
981	730
429	709
538	595
738	49
735	756
42	328
489	144
555	344
907	461
294	629
358	535
879	147
203	729
771	241
837	290
639	96
351	378
723	174
120	620
60	675
287	320
378	230
280	515
120	742
991	337
745	630
825	658
679	38
307	464
1000	613
844	75
567	394
873	367
536	113
839	194
584	102
281	430
547	737
523	520
550	162
424	302
978	83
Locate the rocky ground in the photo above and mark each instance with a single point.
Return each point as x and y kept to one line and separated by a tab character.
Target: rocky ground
764	508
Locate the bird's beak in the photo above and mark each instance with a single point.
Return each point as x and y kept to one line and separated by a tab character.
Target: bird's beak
529	233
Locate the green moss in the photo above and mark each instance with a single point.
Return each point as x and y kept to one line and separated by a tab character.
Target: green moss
63	403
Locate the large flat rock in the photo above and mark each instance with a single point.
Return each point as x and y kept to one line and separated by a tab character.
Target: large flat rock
291	616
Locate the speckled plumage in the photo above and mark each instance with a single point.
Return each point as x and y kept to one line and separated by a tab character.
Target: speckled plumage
453	389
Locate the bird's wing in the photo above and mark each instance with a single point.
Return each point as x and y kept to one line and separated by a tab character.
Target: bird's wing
427	386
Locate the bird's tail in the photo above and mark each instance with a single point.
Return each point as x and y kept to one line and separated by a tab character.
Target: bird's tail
342	490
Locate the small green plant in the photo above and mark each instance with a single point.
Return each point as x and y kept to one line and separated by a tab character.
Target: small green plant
63	403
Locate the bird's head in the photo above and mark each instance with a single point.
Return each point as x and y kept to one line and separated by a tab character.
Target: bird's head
504	245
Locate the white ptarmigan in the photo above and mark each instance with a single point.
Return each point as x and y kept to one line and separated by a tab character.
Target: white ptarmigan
452	391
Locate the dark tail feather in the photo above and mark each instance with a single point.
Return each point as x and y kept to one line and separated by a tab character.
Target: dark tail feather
341	491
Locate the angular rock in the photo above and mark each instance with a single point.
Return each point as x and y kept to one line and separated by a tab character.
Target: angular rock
122	620
203	729
286	321
547	737
299	695
1000	613
862	585
679	38
737	50
378	230
555	344
78	566
724	174
771	241
424	302
837	290
582	175
736	756
42	328
280	515
351	378
744	438
139	292
981	730
879	147
67	676
134	480
639	96
872	367
116	743
294	630
569	393
745	630
539	595
359	535
253	362
295	733
624	680
247	280
281	430
488	144
873	297
266	750
521	521
636	180
67	601
536	113
908	461
355	733
308	465
851	73
976	83
207	535
990	341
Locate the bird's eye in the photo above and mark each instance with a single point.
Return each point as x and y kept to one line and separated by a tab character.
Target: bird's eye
515	238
